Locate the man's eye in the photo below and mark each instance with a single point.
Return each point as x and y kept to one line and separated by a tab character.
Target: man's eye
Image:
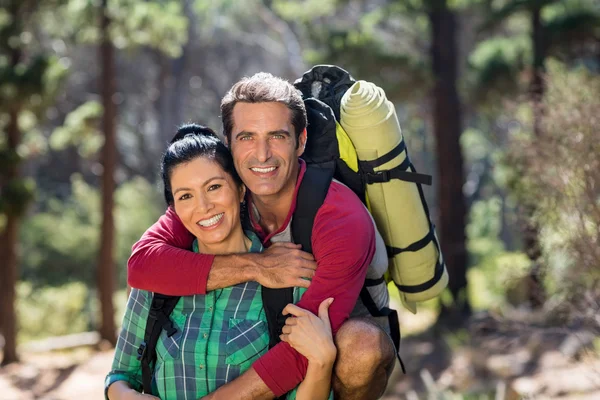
278	137
213	187
245	138
185	196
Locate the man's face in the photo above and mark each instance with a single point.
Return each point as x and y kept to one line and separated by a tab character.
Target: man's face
263	145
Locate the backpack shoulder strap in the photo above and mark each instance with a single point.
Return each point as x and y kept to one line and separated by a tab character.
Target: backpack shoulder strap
158	319
311	194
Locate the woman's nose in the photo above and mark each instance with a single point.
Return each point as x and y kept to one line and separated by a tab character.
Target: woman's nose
204	204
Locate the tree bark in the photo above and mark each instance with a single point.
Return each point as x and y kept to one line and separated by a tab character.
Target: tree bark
106	266
9	240
531	230
447	130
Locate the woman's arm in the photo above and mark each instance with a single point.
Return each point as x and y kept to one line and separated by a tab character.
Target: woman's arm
125	375
311	336
121	390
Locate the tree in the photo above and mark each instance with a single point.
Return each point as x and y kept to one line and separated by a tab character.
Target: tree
106	263
447	127
25	90
569	25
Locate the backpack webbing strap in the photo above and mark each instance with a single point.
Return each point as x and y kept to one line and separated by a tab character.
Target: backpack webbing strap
404	172
416	246
158	319
437	275
392	316
389	156
311	195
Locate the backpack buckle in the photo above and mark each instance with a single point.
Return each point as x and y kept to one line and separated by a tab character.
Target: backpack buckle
378	177
142	350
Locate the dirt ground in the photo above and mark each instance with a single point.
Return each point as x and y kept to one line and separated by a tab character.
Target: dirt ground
489	359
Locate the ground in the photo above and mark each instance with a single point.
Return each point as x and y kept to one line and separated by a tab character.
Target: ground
489	358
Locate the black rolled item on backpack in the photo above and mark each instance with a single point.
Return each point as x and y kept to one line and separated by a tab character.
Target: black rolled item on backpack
327	83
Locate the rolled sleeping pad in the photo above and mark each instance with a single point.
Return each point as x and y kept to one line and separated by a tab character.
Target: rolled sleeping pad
398	207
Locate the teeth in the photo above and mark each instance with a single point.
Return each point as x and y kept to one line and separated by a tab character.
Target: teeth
263	170
210	221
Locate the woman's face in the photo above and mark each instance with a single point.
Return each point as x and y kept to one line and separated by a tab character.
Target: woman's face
207	200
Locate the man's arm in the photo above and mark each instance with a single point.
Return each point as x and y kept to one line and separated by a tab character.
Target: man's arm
343	244
158	263
247	386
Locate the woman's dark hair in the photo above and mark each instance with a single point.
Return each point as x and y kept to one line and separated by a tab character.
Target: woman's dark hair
190	142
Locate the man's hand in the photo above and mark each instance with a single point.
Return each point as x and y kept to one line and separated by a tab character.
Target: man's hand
284	265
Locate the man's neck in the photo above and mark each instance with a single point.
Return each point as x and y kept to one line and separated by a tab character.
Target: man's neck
274	209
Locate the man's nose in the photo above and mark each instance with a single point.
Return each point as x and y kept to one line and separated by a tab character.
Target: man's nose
263	151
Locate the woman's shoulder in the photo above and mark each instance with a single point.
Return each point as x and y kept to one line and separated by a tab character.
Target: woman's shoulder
256	246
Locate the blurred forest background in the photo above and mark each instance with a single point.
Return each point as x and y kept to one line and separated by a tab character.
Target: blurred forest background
499	100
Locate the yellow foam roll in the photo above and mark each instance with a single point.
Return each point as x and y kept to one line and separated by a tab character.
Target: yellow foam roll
370	121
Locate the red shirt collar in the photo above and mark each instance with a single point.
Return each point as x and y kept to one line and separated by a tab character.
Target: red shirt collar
266	238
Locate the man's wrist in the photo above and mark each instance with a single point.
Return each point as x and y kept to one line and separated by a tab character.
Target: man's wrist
250	267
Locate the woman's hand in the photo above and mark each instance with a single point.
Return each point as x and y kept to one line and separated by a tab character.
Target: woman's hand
120	390
310	335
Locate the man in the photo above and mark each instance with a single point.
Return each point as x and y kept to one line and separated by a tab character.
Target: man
264	121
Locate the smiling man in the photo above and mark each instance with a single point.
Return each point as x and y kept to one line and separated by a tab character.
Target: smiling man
264	121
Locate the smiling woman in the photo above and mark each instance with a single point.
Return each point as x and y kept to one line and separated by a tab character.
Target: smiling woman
219	334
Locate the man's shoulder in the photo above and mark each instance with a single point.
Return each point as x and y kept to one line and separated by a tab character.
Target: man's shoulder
342	204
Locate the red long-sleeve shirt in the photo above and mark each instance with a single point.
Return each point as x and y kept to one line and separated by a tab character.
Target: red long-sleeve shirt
343	242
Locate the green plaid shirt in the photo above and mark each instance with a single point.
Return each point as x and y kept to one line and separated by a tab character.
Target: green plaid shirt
219	336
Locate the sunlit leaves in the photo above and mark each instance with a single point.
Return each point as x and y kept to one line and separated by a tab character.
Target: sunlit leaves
495	65
80	129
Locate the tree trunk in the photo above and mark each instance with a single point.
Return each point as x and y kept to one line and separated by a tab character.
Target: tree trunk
106	266
536	91
9	242
447	131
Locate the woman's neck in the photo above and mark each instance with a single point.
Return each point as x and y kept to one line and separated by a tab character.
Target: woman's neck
236	242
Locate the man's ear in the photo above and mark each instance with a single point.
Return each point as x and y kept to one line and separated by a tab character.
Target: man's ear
243	192
302	142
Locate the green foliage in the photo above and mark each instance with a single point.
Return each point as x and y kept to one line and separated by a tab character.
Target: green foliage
160	25
304	11
558	173
383	45
511	7
61	244
17	194
493	269
80	130
59	310
53	311
495	66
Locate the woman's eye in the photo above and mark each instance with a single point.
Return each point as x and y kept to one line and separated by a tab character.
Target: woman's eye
213	187
185	196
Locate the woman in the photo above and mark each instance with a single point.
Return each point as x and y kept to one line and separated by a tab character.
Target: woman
220	334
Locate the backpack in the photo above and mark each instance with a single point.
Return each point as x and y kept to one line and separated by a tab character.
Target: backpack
416	265
158	320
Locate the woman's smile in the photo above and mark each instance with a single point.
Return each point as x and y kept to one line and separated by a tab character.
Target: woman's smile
212	222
